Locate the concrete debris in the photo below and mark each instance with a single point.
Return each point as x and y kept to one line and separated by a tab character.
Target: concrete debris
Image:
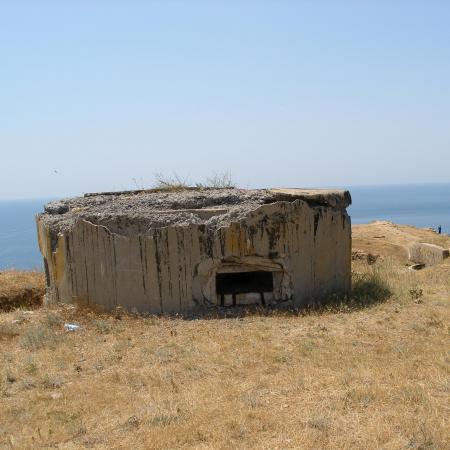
428	254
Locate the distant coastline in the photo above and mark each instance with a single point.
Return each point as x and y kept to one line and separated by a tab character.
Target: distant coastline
420	205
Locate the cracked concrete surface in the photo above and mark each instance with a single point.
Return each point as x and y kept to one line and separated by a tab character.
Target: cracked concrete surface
139	212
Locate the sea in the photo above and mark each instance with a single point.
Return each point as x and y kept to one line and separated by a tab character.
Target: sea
426	205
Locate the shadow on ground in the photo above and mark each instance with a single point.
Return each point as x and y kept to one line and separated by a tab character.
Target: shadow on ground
368	289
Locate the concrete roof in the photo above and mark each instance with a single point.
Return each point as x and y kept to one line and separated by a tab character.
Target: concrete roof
331	197
162	207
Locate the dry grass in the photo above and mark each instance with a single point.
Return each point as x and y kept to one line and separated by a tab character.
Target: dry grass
392	240
219	180
21	289
372	376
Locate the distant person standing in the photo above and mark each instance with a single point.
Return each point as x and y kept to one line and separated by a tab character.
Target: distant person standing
439	229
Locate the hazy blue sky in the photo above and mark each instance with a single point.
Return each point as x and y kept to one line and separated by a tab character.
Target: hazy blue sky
278	93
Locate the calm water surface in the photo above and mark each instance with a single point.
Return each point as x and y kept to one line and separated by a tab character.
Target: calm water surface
419	205
18	242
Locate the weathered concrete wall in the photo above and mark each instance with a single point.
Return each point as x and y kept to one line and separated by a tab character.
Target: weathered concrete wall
173	269
428	254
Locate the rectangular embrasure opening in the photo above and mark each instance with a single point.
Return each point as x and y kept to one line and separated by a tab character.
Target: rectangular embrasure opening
243	283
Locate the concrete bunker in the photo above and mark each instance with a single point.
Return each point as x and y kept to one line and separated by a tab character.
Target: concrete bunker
160	251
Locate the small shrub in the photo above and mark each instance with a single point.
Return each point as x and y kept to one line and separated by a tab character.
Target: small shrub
434	322
413	394
319	423
53	320
38	337
253	399
173	183
30	366
102	326
282	359
133	422
10	377
8	330
176	182
220	180
51	382
163	420
416	293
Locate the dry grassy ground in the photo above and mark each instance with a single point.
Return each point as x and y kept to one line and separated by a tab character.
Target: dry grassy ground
392	240
374	377
20	289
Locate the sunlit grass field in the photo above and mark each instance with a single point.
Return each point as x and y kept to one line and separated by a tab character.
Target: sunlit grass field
369	372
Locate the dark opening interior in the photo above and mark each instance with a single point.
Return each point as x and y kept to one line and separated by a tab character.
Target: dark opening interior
242	283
